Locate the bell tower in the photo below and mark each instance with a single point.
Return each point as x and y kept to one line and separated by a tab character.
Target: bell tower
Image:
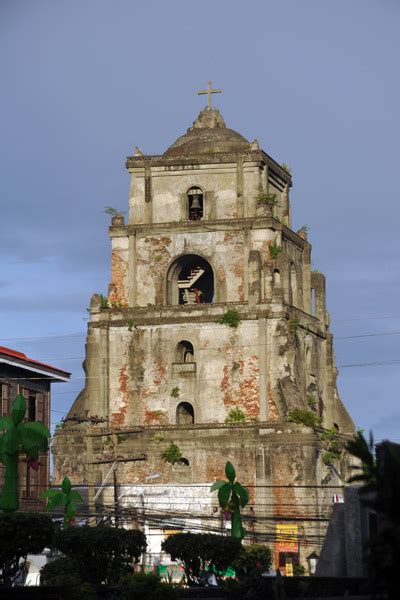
215	331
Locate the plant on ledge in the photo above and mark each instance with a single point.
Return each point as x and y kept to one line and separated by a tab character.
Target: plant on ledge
172	454
268	199
104	302
175	392
332	446
236	415
231	318
312	401
131	325
274	250
305	417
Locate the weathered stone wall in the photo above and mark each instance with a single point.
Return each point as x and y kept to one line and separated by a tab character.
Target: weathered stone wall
279	463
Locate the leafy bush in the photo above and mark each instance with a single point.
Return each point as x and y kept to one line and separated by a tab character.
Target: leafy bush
196	551
131	325
110	210
101	554
230	318
236	415
332	445
61	572
312	401
146	587
298	570
175	392
269	199
21	534
172	454
253	560
286	168
305	417
104	302
274	250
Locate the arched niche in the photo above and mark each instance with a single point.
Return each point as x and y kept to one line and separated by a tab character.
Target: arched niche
276	275
184	414
293	286
195	203
190	280
184	352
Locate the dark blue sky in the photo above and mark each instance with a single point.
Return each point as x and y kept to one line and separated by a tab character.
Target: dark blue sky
84	81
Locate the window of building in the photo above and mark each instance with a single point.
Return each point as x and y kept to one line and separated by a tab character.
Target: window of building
184	352
4	399
190	280
184	414
31	407
195	203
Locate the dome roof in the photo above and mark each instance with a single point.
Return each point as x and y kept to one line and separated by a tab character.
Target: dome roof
207	135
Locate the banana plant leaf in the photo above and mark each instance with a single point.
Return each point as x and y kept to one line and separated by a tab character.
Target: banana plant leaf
30	438
232	496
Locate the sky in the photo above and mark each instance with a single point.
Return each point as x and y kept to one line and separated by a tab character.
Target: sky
85	81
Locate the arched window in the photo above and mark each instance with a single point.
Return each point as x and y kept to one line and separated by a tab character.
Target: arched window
184	414
195	203
190	280
184	352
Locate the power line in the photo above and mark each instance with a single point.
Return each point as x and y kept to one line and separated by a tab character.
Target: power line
394	361
335	338
83	334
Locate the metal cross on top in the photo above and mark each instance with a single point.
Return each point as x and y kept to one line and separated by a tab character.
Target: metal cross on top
209	91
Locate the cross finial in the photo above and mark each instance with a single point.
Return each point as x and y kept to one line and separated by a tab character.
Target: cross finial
209	91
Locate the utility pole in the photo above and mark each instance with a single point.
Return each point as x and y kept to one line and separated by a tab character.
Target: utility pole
116	503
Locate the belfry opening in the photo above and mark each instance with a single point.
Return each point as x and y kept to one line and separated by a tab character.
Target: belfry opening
190	281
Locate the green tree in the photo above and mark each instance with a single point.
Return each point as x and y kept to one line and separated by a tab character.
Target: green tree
364	451
232	496
30	438
99	554
21	534
252	560
380	479
200	551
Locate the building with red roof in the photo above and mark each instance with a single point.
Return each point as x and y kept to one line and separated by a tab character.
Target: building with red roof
20	374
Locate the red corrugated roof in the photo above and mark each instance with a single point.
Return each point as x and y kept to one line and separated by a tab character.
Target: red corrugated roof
25	358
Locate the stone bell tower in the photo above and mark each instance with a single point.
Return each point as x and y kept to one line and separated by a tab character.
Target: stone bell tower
212	306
